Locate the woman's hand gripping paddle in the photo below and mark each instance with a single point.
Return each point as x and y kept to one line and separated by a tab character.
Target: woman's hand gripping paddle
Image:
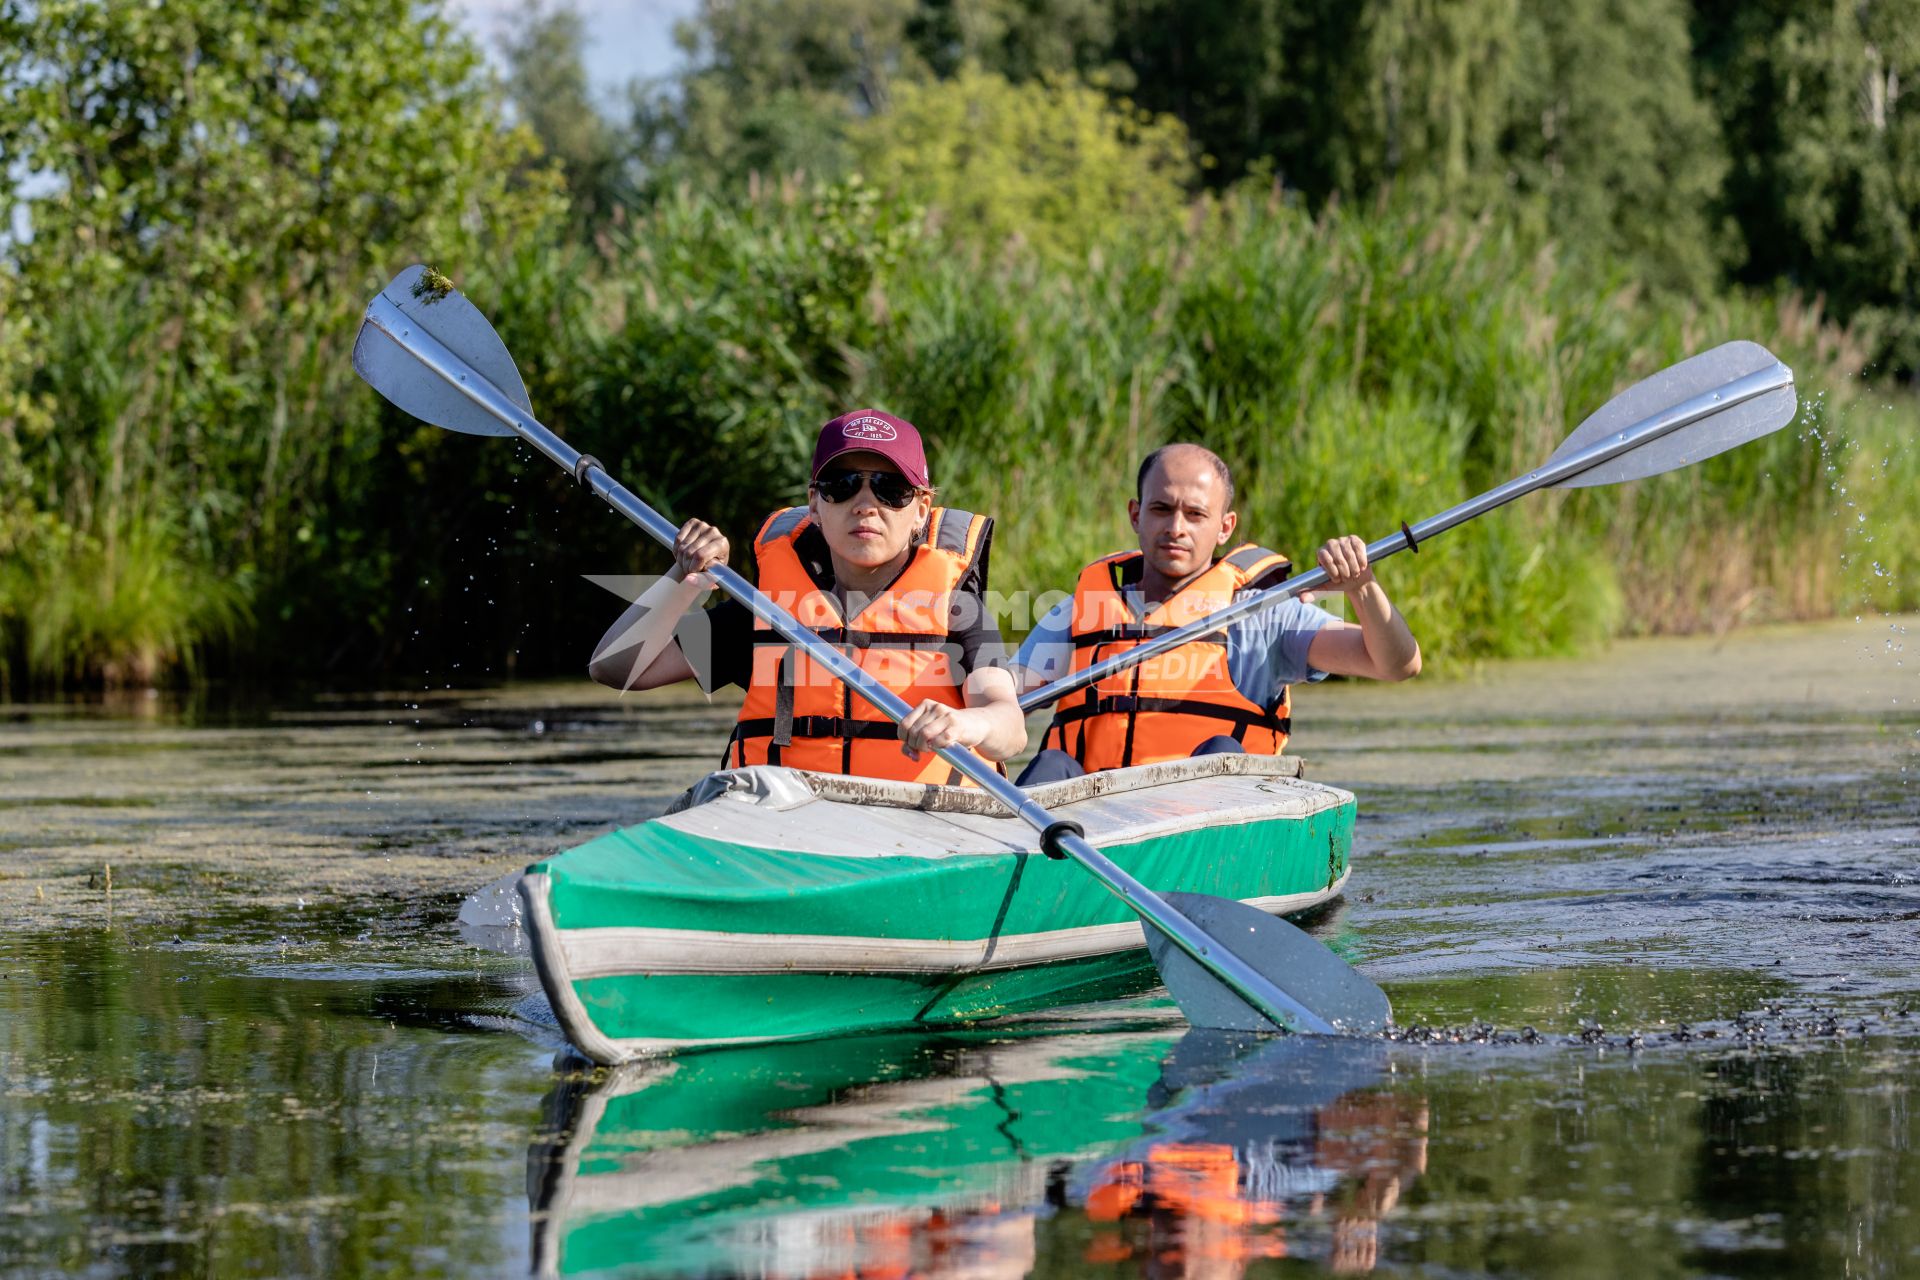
428	350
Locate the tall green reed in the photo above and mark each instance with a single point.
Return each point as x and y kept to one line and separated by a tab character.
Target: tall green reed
1357	368
1365	367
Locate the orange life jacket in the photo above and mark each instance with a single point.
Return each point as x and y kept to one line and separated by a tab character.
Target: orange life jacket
799	714
1164	707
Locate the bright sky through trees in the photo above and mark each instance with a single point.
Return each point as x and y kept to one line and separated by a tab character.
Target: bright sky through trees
626	39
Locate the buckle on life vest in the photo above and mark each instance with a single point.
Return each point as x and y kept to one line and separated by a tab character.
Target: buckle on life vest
826	726
848	727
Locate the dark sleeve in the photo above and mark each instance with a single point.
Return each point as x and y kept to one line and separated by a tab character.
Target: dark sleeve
975	631
718	644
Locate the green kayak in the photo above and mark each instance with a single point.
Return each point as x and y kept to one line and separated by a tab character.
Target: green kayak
771	904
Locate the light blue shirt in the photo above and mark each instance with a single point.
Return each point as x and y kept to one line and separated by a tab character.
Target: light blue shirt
1264	652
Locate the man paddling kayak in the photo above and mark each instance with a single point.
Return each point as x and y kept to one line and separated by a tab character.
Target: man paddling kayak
872	566
1223	693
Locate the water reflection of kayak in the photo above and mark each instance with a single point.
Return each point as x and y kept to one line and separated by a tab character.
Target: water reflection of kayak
918	1154
783	1158
778	905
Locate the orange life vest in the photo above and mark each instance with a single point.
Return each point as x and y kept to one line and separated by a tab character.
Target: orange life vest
1163	708
799	714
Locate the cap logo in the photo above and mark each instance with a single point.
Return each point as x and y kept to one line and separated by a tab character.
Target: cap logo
869	429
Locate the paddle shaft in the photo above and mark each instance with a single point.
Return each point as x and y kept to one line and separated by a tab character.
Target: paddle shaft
1688	412
1247	982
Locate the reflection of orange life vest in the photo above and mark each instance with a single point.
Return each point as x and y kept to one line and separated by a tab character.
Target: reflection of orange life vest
1163	708
1198	1211
798	713
1193	1179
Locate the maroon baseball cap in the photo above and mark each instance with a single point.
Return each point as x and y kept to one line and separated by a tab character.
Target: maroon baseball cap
871	431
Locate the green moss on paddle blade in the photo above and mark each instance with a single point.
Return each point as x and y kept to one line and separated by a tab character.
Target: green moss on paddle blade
432	286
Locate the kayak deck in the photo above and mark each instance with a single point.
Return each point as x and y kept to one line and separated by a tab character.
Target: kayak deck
791	905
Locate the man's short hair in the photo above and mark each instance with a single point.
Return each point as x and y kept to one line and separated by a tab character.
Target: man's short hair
1220	469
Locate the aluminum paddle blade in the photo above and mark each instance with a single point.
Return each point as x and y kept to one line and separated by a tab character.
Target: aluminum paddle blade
1725	372
1322	983
427	299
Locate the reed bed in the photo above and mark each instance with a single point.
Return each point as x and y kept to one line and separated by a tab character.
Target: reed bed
1357	368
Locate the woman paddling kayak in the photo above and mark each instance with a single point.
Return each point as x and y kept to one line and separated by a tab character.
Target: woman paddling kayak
873	567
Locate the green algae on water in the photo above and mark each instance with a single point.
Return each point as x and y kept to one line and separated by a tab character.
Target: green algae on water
432	286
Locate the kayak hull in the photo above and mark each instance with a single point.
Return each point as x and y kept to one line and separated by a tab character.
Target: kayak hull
818	910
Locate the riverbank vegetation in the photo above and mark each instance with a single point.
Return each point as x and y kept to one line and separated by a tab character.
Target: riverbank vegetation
1040	240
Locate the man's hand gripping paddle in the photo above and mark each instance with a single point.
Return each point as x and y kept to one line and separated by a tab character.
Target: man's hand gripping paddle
1706	405
428	350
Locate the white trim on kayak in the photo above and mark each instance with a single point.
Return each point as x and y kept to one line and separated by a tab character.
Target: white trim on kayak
622	951
551	964
633	1049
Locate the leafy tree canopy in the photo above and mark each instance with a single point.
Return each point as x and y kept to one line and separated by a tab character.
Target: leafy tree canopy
1821	108
546	81
210	193
1052	161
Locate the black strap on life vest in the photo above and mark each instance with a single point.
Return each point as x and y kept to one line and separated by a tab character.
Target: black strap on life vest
841	636
1135	631
1133	721
1132	704
782	708
840	727
847	730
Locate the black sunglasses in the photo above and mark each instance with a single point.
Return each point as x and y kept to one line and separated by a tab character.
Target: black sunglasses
890	487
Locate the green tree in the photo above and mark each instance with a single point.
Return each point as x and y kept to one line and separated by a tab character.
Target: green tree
1821	103
1581	118
546	81
215	190
1441	84
1020	39
1220	67
1052	161
773	86
1607	131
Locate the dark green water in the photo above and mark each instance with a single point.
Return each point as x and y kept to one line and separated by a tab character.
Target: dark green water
1689	933
378	1107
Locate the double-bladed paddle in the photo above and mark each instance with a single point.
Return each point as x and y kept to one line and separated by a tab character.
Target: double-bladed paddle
428	350
1690	411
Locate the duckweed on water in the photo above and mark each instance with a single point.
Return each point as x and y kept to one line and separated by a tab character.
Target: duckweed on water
432	286
1686	1050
